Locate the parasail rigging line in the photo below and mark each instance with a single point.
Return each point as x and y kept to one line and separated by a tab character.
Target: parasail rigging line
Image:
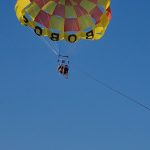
51	45
127	97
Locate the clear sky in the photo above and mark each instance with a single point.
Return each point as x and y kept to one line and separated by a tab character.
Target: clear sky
40	110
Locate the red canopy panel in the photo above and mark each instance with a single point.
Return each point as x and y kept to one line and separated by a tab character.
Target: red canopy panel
59	11
71	24
96	13
43	18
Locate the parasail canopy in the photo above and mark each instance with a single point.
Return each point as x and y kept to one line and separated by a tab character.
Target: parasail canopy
69	20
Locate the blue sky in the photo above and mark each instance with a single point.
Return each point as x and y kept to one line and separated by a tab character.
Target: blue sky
41	110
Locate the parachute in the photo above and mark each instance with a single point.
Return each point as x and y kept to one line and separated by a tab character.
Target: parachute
69	20
66	22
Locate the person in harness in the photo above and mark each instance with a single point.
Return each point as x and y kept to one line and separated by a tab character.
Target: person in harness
63	67
63	70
